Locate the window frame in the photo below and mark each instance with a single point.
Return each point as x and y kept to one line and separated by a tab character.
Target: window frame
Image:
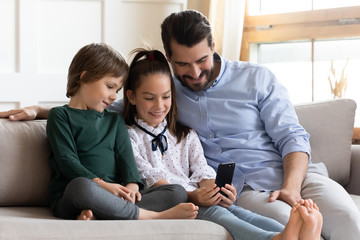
323	24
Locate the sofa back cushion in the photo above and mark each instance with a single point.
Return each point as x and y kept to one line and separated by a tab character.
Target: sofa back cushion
330	125
24	168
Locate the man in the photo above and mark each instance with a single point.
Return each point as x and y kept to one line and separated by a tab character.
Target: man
243	114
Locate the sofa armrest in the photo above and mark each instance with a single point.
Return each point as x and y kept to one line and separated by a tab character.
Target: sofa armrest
354	185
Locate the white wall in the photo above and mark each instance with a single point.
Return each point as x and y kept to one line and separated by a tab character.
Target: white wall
40	37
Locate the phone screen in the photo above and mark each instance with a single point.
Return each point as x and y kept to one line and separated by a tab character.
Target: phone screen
224	175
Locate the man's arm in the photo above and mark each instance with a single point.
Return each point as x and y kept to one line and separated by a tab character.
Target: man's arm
27	113
295	167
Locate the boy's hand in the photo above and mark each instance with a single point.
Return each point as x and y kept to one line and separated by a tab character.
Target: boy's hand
205	196
117	190
230	191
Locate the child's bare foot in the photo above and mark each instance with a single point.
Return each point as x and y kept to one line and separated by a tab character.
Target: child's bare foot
292	228
180	211
86	214
312	221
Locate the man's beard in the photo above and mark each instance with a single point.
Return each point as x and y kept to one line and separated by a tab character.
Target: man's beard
199	86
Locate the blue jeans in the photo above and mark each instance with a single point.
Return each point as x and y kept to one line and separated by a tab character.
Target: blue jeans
241	223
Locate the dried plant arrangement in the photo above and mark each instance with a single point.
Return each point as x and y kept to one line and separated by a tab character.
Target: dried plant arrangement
338	84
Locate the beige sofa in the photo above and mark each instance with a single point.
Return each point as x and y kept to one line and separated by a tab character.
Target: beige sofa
24	177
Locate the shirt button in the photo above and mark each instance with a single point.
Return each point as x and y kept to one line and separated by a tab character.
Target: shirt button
204	114
210	135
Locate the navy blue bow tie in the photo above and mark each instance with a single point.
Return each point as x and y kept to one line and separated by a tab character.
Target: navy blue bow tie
159	141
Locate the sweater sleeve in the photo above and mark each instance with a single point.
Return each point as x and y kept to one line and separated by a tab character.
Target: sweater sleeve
124	156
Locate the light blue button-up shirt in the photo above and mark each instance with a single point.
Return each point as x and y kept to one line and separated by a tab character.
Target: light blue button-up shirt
245	117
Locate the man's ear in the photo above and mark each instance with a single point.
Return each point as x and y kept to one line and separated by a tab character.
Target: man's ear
131	97
213	47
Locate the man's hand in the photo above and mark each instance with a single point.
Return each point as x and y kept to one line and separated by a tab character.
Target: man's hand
205	196
26	113
290	197
230	191
295	166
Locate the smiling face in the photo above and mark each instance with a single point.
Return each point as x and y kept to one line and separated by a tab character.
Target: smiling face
97	95
193	66
152	98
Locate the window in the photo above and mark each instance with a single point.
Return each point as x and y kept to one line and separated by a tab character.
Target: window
308	44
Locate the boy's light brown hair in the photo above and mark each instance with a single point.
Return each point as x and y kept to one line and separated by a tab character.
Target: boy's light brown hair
93	62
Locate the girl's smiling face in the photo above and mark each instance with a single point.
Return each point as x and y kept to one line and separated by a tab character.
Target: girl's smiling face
152	98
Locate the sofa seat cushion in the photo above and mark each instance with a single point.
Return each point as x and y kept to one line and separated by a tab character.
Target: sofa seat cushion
356	199
38	223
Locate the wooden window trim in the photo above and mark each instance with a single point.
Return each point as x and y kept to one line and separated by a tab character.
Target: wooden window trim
297	26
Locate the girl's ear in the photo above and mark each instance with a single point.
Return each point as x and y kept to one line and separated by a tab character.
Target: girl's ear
82	74
131	97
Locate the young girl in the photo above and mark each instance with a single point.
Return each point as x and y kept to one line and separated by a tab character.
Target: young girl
167	152
94	174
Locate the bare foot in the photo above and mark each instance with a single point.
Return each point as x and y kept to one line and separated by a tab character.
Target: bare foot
86	214
180	211
293	227
312	221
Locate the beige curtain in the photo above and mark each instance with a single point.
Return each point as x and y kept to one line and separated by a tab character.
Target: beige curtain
227	20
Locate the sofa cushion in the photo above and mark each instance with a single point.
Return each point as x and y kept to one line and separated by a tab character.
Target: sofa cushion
38	223
24	168
330	125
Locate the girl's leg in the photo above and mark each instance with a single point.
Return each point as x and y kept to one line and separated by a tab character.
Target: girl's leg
82	193
238	228
162	197
265	223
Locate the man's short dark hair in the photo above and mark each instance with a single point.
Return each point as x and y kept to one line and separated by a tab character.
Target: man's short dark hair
188	28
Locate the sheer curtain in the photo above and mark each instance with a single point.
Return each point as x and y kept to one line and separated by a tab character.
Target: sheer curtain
227	20
233	28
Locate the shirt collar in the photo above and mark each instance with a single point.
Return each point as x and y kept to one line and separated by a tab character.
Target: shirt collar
217	58
151	129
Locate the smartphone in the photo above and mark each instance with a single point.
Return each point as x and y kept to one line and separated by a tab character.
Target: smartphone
224	175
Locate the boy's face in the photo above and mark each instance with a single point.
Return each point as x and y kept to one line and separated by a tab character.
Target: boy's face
99	94
193	66
152	98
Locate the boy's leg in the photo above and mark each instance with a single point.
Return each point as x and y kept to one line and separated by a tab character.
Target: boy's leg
238	228
162	197
82	193
340	214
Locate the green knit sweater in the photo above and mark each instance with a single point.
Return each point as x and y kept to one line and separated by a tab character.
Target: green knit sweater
87	143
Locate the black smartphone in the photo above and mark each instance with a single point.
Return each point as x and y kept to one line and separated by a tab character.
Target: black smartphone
224	175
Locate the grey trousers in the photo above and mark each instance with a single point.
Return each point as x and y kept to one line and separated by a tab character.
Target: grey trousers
82	193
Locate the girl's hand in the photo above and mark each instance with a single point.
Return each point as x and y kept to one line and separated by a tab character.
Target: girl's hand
205	196
230	191
134	192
